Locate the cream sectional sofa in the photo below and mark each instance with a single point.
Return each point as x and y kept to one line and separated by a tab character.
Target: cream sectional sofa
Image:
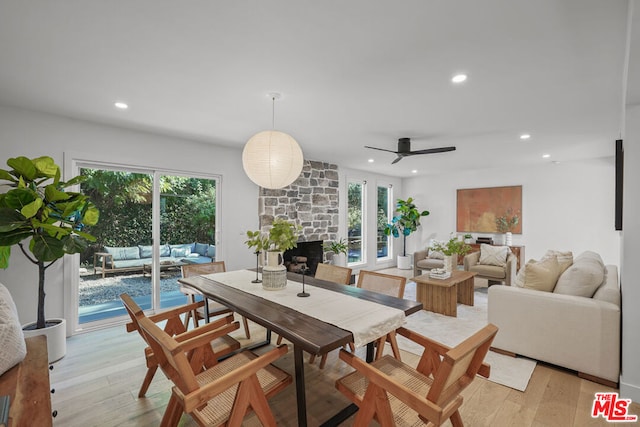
577	332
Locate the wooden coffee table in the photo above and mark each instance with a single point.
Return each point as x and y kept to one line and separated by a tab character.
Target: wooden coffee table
442	295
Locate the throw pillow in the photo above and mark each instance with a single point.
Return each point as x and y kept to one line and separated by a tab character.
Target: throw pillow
435	254
180	252
520	277
211	252
493	255
201	248
13	348
583	278
565	259
542	275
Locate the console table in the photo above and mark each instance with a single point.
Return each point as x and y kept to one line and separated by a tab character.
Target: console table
518	251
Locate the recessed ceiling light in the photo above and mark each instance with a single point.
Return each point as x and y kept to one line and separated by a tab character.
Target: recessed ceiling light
525	136
370	160
121	105
459	78
414	171
555	162
546	156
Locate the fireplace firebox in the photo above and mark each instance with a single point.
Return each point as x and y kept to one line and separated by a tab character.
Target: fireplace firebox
313	251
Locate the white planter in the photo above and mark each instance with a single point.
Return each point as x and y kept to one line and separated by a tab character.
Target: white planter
404	262
56	337
274	278
340	260
450	261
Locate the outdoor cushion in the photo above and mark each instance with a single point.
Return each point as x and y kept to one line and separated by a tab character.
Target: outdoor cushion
201	248
165	250
211	252
123	253
145	251
178	252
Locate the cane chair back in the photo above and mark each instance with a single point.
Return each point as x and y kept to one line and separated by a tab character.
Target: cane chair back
215	308
333	273
219	347
219	395
394	393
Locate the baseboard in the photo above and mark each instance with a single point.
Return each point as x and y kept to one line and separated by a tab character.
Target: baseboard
505	352
598	380
629	391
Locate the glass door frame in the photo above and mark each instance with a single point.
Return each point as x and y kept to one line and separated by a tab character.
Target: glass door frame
72	166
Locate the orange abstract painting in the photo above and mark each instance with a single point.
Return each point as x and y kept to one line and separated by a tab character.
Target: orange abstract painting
478	208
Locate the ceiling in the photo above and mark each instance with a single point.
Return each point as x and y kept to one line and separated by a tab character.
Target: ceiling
351	73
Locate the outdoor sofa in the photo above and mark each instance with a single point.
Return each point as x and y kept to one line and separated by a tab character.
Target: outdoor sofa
133	258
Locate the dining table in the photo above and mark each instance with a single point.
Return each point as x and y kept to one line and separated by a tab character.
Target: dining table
307	322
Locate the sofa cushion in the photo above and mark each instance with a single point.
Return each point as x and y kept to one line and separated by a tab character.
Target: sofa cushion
493	255
520	277
428	264
433	254
201	248
122	253
489	271
541	275
13	349
179	252
565	259
165	251
146	251
609	291
211	252
583	277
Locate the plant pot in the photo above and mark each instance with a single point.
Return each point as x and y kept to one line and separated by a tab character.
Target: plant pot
274	259
274	278
56	333
404	262
450	261
340	260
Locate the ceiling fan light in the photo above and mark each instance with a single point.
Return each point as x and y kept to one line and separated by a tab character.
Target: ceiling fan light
272	159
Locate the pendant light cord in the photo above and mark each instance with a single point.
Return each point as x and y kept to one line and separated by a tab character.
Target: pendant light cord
273	113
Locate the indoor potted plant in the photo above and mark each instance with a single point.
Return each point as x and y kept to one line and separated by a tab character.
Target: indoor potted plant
404	223
37	209
452	250
339	248
260	242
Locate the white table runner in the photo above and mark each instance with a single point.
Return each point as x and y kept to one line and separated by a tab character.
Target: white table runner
366	320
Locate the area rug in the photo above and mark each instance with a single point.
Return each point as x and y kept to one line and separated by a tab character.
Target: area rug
509	371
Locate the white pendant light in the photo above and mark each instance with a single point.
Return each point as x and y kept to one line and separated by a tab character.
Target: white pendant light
272	159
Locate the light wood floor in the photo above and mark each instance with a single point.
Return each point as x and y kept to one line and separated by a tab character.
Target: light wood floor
97	382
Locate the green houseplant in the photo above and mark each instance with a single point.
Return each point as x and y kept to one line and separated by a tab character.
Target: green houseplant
340	248
282	236
404	223
38	209
452	249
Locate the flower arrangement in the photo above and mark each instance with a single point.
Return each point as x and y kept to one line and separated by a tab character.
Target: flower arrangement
508	221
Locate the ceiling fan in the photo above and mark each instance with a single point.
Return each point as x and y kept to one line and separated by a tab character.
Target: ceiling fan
404	150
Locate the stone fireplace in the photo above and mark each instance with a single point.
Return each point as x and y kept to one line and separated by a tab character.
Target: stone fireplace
311	201
312	251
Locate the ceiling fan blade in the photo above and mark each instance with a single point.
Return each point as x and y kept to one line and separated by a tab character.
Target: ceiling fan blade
381	149
432	150
397	160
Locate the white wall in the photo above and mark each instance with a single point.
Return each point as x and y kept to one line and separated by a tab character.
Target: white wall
630	272
568	206
34	134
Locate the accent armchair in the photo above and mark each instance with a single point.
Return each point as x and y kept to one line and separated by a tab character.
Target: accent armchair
495	274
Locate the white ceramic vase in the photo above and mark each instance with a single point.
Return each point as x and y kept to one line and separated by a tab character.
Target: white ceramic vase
508	238
56	337
450	261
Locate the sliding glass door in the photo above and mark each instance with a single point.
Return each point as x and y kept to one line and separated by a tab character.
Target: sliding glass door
151	223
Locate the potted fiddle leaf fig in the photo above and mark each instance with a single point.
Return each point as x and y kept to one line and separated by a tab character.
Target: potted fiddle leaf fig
403	224
45	222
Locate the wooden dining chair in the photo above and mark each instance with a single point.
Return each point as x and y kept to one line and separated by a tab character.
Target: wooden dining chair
394	393
215	308
222	345
387	284
220	395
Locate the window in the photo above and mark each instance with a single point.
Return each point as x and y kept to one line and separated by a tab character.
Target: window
355	221
383	217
